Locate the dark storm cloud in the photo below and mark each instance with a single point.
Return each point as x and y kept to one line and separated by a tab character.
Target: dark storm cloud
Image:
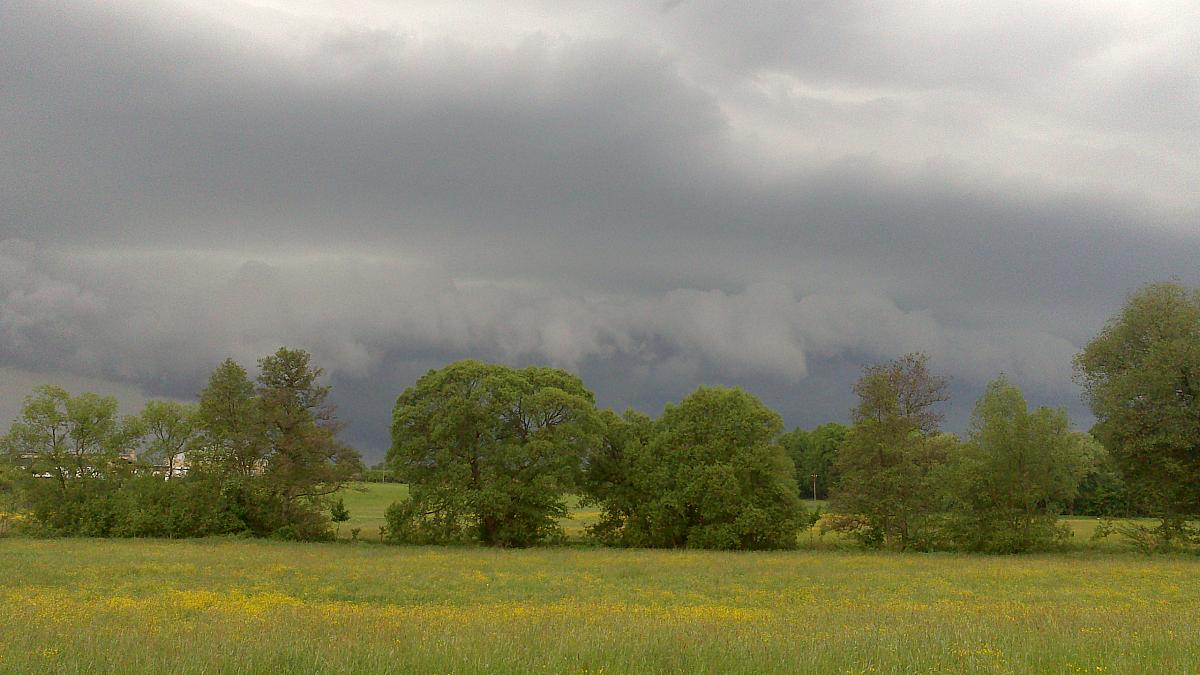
655	195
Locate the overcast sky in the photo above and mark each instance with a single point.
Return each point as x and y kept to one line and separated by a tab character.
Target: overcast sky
655	195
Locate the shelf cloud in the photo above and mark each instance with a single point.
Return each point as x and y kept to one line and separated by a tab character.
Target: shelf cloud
655	195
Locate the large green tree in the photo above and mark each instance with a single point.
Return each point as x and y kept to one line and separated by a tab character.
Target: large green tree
305	462
232	439
69	438
1103	491
885	495
609	471
272	444
260	458
489	452
707	474
10	495
1016	473
170	429
1141	377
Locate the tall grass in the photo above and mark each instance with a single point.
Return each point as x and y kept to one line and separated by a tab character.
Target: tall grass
253	606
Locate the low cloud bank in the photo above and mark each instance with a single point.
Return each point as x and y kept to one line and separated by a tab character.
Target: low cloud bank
162	319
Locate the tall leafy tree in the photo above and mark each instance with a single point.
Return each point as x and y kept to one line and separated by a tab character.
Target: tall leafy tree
489	452
1103	491
611	482
1017	472
304	460
1141	377
69	438
709	474
272	444
232	439
887	463
170	429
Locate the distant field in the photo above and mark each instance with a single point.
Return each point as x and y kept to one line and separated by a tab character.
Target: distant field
241	606
366	503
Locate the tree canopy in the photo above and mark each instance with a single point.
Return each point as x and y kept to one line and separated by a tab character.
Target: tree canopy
707	474
1141	377
888	461
492	454
489	452
814	453
1015	474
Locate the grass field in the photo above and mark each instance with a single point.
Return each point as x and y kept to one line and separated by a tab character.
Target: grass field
252	606
366	503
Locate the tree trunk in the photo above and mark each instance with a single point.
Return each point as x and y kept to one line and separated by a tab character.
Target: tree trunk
488	527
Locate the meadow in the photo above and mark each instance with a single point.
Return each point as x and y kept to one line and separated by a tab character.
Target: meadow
229	605
241	606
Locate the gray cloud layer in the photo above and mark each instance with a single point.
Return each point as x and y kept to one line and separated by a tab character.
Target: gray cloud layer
656	195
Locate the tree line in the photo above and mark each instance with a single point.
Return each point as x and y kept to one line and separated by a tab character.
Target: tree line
493	455
257	457
490	454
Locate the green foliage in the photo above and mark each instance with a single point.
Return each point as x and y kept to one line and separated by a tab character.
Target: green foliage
707	474
889	461
609	470
273	445
488	452
139	506
1103	491
305	461
148	506
170	428
11	502
72	452
1015	475
1141	376
814	453
70	438
232	439
338	514
260	459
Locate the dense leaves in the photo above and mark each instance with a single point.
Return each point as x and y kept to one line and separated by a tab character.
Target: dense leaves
707	474
889	461
493	454
1141	376
305	461
815	453
244	460
489	453
1015	474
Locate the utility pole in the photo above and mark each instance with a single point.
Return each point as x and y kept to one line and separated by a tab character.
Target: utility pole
814	477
